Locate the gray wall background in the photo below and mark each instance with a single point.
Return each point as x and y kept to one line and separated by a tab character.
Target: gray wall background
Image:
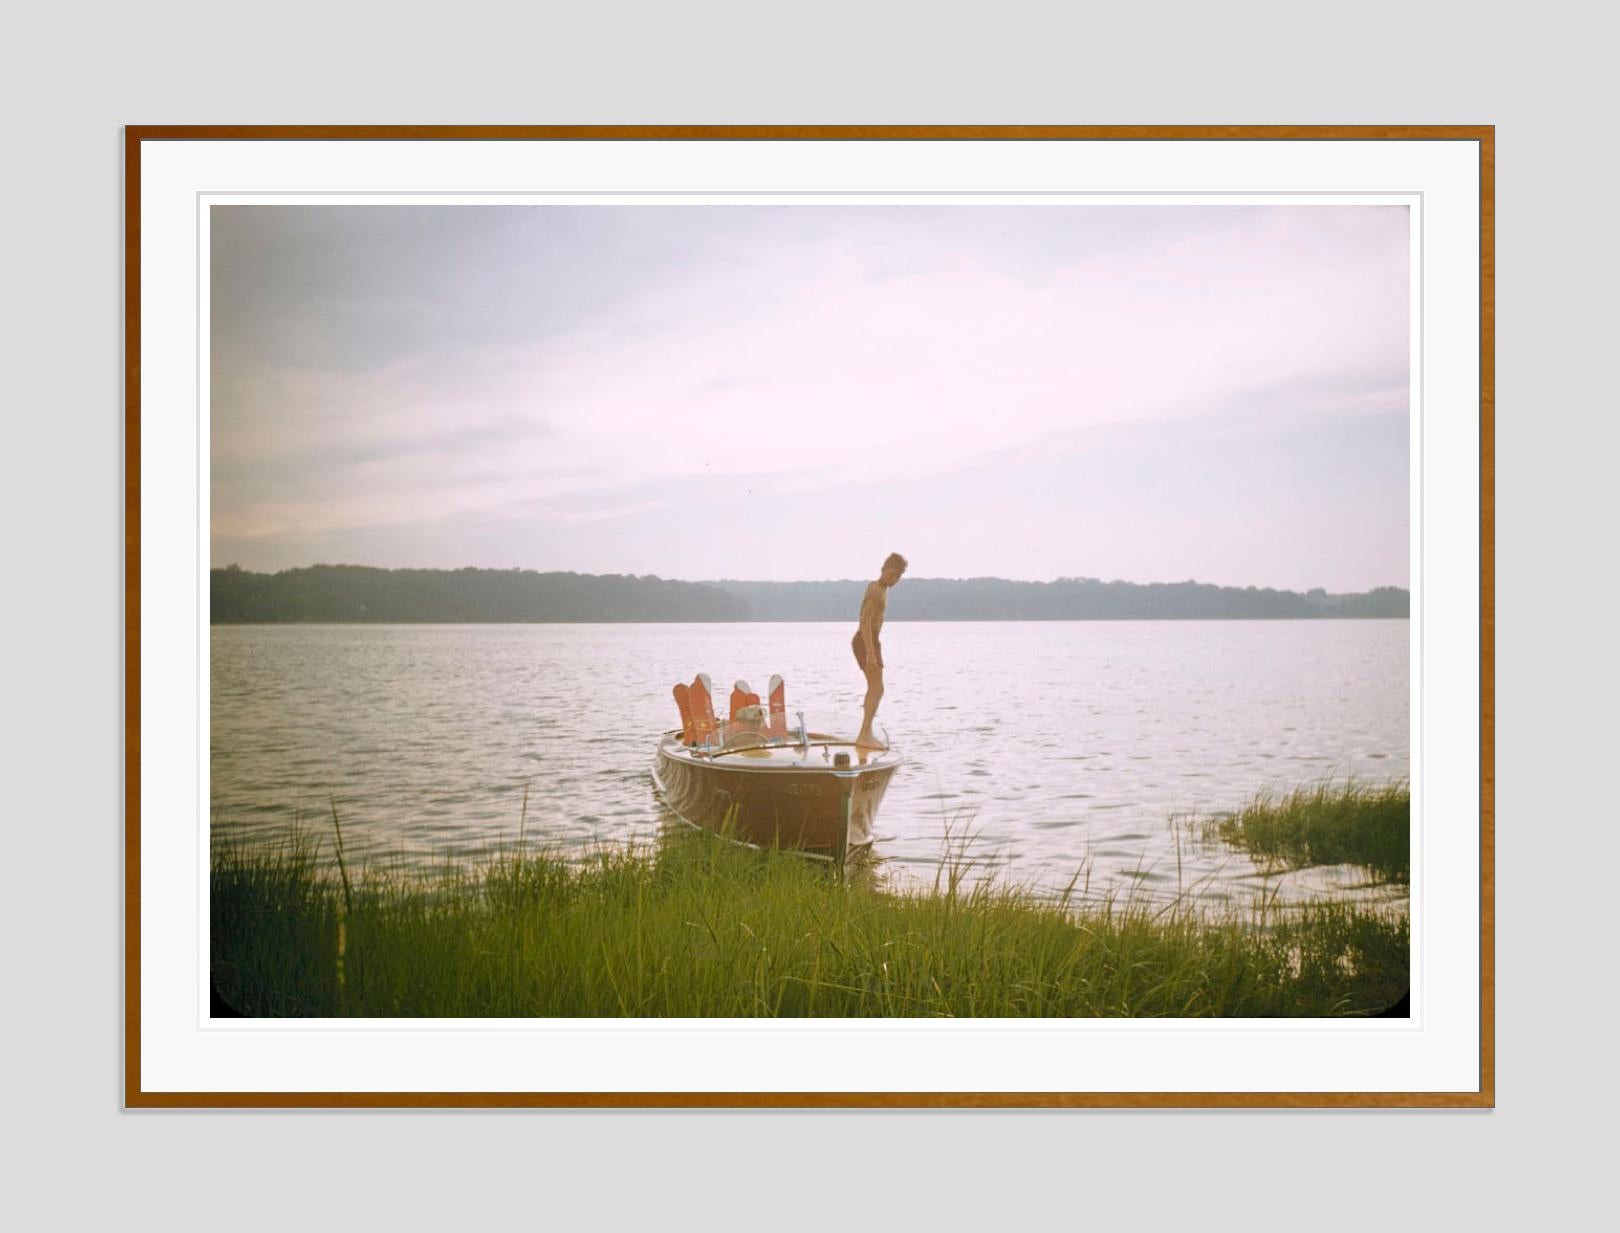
75	76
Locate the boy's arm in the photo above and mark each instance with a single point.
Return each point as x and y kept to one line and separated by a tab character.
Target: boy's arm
869	608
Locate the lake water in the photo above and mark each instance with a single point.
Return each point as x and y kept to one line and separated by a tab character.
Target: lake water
1059	744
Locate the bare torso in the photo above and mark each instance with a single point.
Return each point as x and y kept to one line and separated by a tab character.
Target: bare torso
865	644
874	606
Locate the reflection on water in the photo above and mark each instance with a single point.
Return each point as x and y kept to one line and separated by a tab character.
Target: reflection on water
863	868
1062	748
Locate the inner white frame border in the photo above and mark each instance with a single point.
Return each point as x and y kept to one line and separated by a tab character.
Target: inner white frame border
1436	1050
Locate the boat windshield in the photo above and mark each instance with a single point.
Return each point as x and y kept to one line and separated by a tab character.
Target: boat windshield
755	733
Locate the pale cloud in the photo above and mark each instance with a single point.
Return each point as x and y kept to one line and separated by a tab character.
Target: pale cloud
503	375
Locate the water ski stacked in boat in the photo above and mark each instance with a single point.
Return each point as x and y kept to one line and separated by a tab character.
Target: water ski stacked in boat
764	780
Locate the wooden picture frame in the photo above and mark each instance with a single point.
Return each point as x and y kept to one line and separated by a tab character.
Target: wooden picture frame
142	590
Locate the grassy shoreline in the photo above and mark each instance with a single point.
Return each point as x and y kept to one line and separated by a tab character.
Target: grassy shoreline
1350	823
696	927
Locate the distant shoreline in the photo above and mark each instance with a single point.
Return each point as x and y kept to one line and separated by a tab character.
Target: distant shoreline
353	594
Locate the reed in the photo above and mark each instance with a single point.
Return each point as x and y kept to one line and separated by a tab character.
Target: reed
692	926
1330	823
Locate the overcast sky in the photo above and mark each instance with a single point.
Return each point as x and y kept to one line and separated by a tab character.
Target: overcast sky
1147	393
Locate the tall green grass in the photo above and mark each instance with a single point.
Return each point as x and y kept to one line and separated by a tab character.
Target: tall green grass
697	927
1327	824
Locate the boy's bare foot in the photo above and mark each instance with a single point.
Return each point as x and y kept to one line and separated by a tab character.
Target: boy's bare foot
867	741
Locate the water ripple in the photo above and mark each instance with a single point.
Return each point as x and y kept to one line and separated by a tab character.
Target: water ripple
426	735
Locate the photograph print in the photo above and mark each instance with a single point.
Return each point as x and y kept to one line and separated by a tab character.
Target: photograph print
904	610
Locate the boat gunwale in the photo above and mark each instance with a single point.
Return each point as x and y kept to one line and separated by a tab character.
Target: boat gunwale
698	758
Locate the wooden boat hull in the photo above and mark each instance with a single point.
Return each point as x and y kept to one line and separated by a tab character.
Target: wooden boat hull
781	797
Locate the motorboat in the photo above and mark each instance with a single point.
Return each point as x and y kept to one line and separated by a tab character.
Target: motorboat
768	782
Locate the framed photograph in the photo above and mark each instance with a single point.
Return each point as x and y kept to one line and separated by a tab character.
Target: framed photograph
865	617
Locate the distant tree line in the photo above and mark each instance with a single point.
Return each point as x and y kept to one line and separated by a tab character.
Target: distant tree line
355	593
455	596
1067	599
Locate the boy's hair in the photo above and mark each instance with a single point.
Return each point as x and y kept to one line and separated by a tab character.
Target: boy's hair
894	558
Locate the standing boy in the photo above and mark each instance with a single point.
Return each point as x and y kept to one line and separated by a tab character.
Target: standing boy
868	650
